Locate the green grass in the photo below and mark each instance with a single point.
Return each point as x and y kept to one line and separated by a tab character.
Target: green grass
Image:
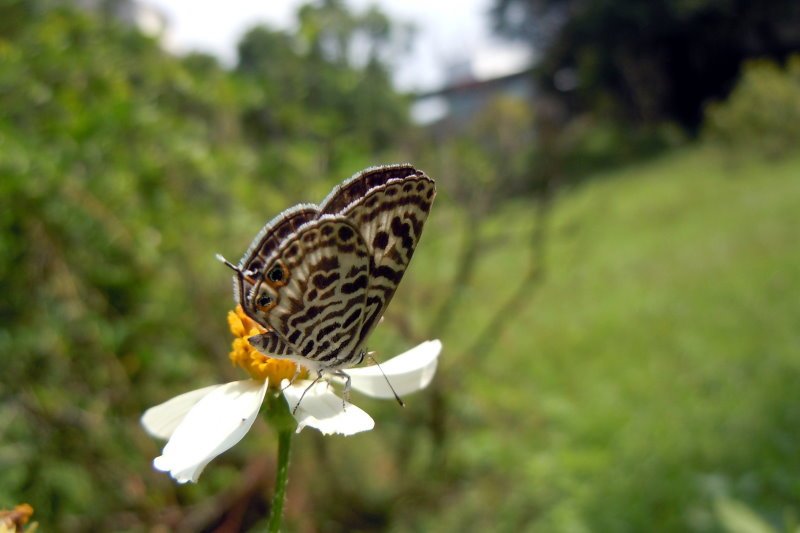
656	369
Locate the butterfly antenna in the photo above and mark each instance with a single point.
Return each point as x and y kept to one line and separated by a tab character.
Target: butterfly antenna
396	396
235	268
228	263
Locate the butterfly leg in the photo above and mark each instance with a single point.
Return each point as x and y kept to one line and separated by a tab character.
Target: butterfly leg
346	391
319	377
297	370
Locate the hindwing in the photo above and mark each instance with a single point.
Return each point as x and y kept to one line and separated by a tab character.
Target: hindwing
265	243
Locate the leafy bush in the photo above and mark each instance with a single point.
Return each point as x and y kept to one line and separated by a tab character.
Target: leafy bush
590	144
122	170
762	114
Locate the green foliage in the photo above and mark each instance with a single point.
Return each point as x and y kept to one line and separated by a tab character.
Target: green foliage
762	114
112	152
652	371
591	144
490	160
736	517
123	170
312	99
650	375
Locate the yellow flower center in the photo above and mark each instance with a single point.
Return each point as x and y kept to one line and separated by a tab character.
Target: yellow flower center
13	521
258	365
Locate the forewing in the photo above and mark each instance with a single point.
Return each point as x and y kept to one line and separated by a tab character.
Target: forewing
390	217
359	185
314	289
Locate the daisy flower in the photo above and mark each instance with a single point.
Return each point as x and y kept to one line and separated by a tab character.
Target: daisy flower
203	423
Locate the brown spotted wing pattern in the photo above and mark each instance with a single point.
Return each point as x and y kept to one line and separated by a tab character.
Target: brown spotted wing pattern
390	218
253	263
314	291
321	277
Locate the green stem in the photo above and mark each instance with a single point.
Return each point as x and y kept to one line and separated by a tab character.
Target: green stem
281	480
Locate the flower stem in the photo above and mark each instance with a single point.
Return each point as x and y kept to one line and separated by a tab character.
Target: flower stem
281	480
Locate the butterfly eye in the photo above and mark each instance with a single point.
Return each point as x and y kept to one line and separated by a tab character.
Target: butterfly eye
264	300
276	274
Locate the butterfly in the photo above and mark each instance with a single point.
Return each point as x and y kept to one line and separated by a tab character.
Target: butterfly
319	277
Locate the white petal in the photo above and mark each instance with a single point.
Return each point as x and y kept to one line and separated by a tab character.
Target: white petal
214	424
323	410
408	372
160	421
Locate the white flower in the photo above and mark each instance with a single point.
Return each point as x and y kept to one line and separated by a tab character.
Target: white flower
202	424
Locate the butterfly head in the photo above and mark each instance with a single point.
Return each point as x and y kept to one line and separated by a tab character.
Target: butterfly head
257	286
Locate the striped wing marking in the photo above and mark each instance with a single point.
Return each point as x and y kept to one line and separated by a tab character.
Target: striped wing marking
390	217
313	292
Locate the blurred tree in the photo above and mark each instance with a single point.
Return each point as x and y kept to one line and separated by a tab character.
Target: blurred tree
121	167
653	61
328	85
113	152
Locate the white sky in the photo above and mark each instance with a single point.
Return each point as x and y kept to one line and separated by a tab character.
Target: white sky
447	31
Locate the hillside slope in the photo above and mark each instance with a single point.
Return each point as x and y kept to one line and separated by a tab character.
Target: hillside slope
654	371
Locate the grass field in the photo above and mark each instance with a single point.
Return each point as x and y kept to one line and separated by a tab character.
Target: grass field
652	375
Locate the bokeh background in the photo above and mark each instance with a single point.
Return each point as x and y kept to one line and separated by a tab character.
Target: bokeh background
612	263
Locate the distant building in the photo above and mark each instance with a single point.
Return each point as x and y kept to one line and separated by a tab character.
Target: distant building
454	105
471	83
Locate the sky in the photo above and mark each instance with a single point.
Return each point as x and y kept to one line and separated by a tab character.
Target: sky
448	32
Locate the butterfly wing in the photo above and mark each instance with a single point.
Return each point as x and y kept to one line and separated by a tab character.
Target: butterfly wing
355	188
264	244
253	264
322	313
313	291
389	206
